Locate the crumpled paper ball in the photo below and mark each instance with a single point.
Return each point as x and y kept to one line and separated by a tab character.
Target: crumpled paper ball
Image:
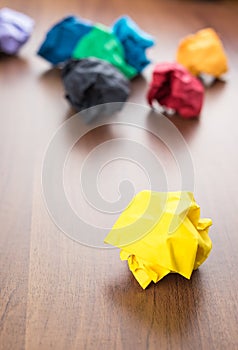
15	30
90	82
203	52
134	40
161	233
103	44
62	38
174	87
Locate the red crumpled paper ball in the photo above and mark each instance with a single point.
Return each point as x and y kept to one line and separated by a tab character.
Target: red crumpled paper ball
174	87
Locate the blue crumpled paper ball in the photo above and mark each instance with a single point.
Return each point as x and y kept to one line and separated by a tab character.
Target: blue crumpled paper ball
134	40
62	38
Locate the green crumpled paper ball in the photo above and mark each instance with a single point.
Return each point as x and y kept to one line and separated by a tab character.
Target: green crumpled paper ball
101	43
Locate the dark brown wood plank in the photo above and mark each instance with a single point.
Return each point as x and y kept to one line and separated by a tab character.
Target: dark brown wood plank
58	294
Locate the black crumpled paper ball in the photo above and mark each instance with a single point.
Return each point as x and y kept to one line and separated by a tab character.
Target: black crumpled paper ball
90	82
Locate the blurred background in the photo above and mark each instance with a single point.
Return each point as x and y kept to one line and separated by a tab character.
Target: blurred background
58	294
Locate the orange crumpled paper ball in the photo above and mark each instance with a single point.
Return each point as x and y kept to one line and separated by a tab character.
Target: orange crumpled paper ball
203	52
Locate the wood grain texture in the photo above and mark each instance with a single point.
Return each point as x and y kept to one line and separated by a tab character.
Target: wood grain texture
58	294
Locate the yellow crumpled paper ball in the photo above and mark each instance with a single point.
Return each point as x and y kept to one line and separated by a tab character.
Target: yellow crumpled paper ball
203	52
160	233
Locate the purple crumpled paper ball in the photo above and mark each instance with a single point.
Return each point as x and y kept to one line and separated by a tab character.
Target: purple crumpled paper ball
15	30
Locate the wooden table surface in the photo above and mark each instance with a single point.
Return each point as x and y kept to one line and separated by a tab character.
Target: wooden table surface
56	293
